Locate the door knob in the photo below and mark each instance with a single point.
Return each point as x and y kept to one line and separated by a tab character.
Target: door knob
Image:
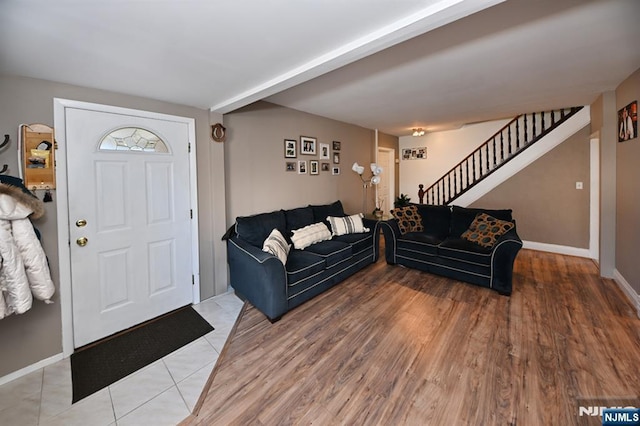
80	223
82	241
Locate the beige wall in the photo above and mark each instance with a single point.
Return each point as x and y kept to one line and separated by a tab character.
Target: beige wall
546	204
392	142
36	335
255	165
628	191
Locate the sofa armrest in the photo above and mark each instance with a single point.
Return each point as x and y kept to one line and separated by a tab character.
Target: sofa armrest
391	232
258	276
503	257
374	228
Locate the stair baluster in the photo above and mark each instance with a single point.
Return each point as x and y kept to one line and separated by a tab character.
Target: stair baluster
455	181
495	162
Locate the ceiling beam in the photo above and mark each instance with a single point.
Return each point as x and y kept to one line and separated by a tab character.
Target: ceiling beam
434	16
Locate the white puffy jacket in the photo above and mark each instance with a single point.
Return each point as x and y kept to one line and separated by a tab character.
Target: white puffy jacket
23	264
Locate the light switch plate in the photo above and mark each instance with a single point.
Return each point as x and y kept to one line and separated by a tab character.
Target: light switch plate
578	185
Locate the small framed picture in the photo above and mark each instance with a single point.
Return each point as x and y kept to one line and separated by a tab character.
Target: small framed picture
417	153
336	158
324	151
336	145
302	167
290	166
325	167
314	167
290	148
628	122
335	171
307	145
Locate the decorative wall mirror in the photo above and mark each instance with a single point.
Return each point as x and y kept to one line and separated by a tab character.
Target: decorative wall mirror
37	154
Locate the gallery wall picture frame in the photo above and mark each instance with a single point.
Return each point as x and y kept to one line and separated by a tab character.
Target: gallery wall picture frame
307	145
290	166
336	145
325	167
314	167
628	122
336	158
325	151
335	171
290	148
416	153
302	167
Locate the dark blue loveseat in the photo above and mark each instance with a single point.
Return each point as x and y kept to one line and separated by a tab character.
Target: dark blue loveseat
274	288
440	248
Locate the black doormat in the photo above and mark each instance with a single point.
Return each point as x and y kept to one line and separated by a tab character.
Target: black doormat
99	365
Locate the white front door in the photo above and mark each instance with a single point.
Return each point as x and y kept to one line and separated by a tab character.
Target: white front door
128	183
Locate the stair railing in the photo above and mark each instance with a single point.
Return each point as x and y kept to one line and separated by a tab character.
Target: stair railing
508	142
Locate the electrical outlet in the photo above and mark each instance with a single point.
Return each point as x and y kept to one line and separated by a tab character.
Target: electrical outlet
578	185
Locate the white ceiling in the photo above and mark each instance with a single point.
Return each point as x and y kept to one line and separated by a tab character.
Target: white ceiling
386	64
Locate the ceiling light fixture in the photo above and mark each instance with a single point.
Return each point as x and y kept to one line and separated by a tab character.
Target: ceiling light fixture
418	132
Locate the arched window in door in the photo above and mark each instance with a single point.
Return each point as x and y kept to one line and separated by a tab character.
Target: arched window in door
133	139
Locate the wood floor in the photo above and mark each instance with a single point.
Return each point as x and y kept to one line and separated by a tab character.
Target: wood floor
395	346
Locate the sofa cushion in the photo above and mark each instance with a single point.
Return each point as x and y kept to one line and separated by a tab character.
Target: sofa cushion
299	218
347	225
461	218
321	212
331	251
466	251
409	219
358	242
485	230
436	220
255	229
277	245
311	234
302	264
420	242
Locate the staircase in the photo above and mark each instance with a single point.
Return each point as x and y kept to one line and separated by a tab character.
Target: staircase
504	146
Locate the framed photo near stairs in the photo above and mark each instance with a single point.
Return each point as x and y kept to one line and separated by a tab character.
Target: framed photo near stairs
628	122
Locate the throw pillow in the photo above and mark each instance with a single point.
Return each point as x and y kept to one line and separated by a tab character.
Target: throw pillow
485	230
409	220
347	225
310	234
277	245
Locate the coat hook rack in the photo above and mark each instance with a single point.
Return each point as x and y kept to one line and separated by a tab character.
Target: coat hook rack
5	167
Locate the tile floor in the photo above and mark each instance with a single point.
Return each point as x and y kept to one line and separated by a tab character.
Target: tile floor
163	393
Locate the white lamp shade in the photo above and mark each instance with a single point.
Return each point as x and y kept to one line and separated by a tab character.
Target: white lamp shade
357	168
375	169
375	180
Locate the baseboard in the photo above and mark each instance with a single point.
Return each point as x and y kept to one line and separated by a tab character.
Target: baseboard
627	289
31	368
554	248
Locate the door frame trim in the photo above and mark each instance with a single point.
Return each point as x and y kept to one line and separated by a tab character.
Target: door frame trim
64	242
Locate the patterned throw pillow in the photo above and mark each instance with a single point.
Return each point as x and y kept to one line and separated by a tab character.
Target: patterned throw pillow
485	230
277	246
409	220
310	234
347	225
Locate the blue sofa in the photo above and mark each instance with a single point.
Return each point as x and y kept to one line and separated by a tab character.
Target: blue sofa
441	250
274	288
